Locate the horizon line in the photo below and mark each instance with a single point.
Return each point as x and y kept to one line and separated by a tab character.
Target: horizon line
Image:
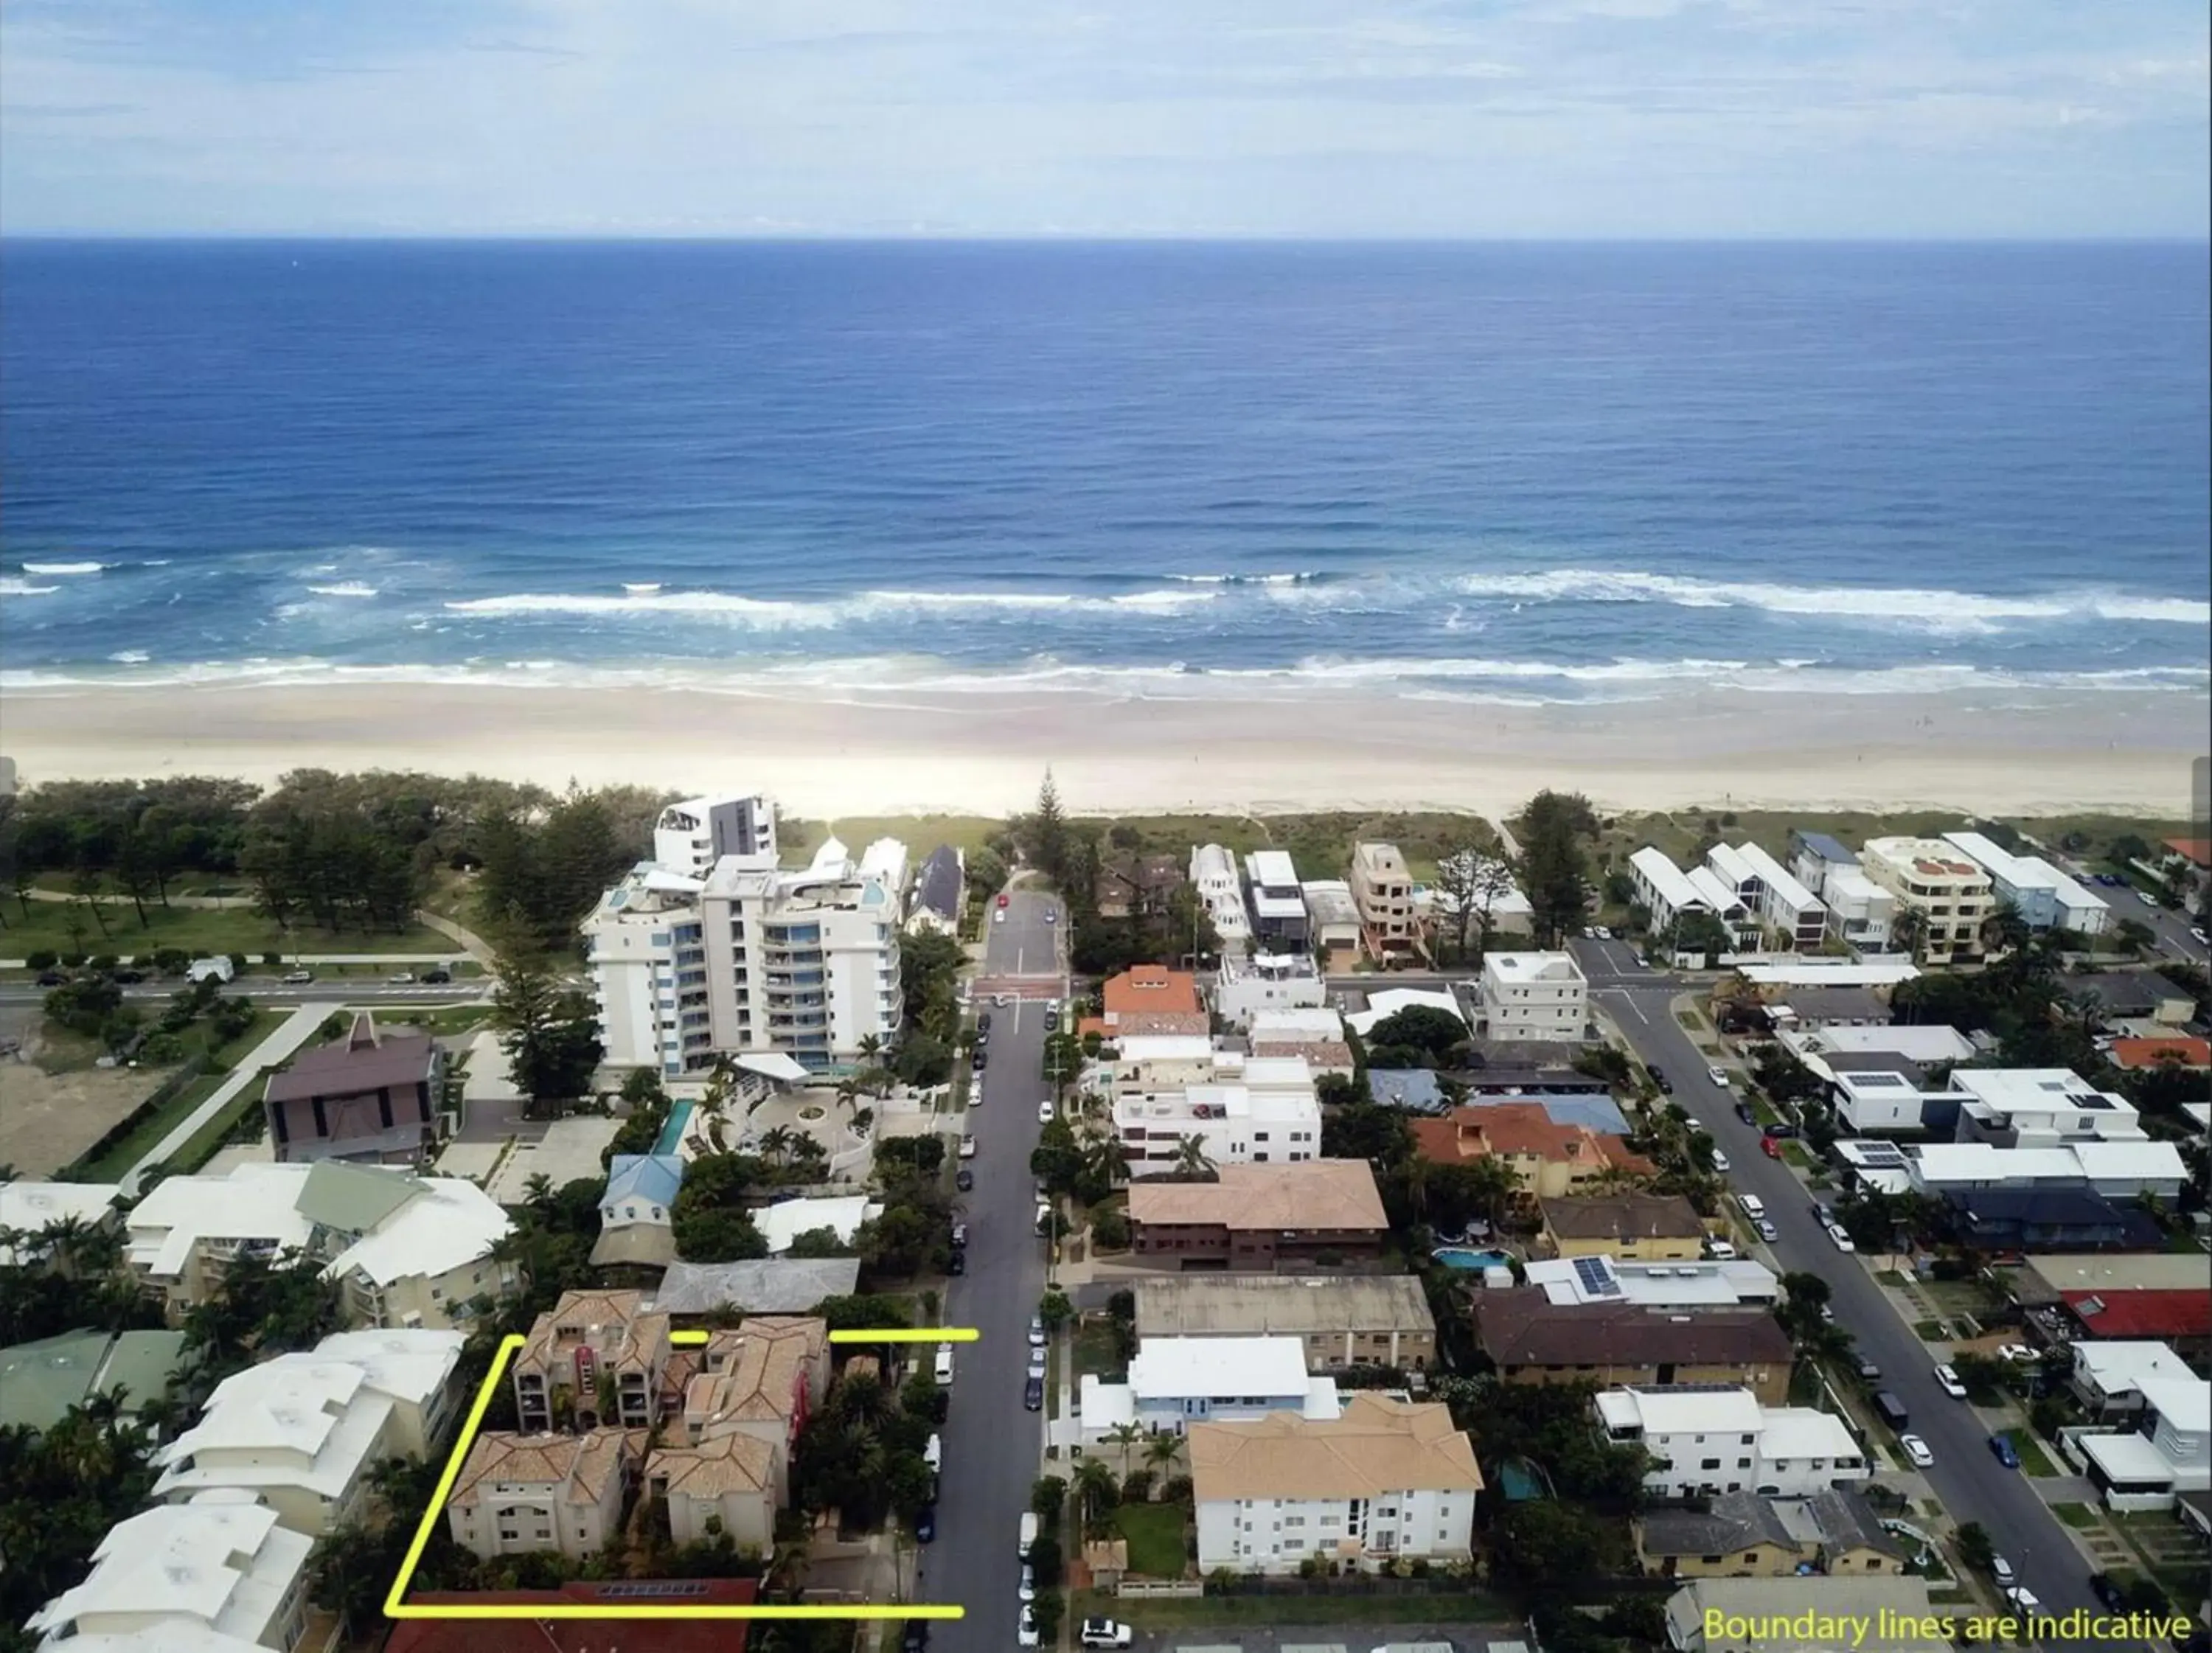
1032	238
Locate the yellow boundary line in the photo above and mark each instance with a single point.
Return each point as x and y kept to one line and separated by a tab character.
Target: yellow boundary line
395	1603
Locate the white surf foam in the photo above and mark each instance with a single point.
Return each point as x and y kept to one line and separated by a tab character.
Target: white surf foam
345	588
62	567
11	586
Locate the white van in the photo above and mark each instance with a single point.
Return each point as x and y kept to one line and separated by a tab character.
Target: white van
934	1454
1029	1532
1753	1206
1044	1217
945	1365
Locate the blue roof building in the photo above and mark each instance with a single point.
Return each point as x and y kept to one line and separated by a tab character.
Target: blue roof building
641	1188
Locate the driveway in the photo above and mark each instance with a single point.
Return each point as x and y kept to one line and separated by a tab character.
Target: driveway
1971	1485
992	1445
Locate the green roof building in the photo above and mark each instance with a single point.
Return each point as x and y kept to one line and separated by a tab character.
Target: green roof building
41	1382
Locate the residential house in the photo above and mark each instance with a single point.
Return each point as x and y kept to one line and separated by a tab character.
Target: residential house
1669	896
1815	1008
524	1635
2045	898
1926	1045
1388	1480
518	1494
1415	1089
1876	1092
1315	1035
1176	1382
2040	1108
637	1210
2109	1377
1332	921
1860	911
1498	907
301	1432
1386	1002
1715	1439
2181	1051
1379	1320
374	1097
1647	1227
2119	1171
220	1562
1791	917
1277	903
41	1381
1738	1615
763	1381
1244	987
29	1209
1743	1535
691	837
1814	856
727	1483
1548	1160
1137	886
597	1357
1150	1000
765	1285
1718	1282
1534	996
2160	1298
2166	1453
2068	1216
1953	895
1267	1116
2133	995
1382	889
1260	1217
410	1251
781	1224
1221	893
940	891
1531	1340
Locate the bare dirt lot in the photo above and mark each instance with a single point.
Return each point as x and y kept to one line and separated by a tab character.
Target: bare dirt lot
47	1119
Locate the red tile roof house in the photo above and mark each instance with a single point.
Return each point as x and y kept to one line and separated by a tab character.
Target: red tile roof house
582	1635
373	1097
2150	1053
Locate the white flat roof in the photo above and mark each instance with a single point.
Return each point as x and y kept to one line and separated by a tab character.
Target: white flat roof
1382	1006
1273	867
2039	1091
180	1558
34	1207
1659	1285
1985	1162
1678	1412
1533	967
1169	1368
771	1065
2144	1161
256	1201
1811	972
1661	872
2024	871
2128	1458
310	1423
446	1224
1165	1046
785	1221
1306	1021
2123	1365
1805	1432
1103	1407
1923	1045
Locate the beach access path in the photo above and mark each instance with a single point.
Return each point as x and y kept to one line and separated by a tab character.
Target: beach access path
297	1030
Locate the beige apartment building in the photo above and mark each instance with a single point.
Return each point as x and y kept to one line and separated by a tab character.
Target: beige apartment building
596	1359
1382	889
1379	1320
520	1493
1952	894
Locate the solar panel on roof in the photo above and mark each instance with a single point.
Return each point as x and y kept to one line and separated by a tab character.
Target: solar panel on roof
1595	1274
623	1592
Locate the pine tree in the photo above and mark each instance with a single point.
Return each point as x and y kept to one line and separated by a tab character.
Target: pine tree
1048	830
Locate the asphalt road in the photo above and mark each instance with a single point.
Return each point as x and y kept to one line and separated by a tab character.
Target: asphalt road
1970	1483
992	1445
353	989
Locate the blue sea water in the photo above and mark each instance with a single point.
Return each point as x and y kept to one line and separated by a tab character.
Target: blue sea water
1520	472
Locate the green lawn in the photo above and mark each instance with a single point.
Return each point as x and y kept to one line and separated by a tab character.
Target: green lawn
1155	1535
111	1165
1929	1331
1455	1608
1095	1349
45	928
448	1023
2033	1460
1794	1154
2079	1517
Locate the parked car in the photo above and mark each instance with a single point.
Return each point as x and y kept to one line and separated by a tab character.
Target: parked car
1036	1365
1025	1635
439	976
960	1237
925	1524
1946	1379
2025	1600
1720	1250
1718	1075
1002	901
1720	1162
1045	1114
1747	1113
1033	1393
1780	1128
1753	1206
1869	1372
2113	1597
2005	1452
2001	1569
1052	1019
916	1636
1842	1241
1105	1632
1659	1078
957	1263
52	978
967	1148
1052	915
977	1062
983	1022
126	977
1036	1331
1768	1232
1027	1588
1917	1450
296	978
400	978
965	1181
1603	934
999	917
1771	1147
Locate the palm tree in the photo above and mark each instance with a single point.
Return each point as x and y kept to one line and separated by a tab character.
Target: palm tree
2004	930
1192	1163
1162	1451
1125	1436
1096	1494
872	1049
776	1144
1908	930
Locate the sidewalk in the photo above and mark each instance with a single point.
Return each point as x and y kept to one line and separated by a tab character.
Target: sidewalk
276	1048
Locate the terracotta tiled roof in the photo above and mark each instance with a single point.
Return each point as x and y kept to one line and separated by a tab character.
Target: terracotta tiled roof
1313	1193
1377	1446
728	1463
758	1369
1520	1326
2149	1053
1151	987
1624	1216
579	1464
1519	1129
637	1337
2143	1314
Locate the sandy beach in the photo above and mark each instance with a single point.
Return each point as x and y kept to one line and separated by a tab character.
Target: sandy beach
985	753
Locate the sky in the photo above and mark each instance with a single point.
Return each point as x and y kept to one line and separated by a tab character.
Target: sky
1568	118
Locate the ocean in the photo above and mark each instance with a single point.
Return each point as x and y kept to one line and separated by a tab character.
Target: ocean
1509	472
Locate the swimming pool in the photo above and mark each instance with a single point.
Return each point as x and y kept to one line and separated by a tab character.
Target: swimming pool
672	1132
1460	1256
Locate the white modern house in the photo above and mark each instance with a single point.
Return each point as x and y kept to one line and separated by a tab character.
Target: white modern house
750	959
1385	1480
787	1219
219	1562
1266	1113
2040	1108
1952	894
1537	995
2168	1448
1669	895
690	837
1382	889
1333	921
1860	911
1176	1381
1382	1005
2047	898
300	1432
1277	902
1795	918
1604	1280
2118	1171
1221	892
1709	1440
1242	988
